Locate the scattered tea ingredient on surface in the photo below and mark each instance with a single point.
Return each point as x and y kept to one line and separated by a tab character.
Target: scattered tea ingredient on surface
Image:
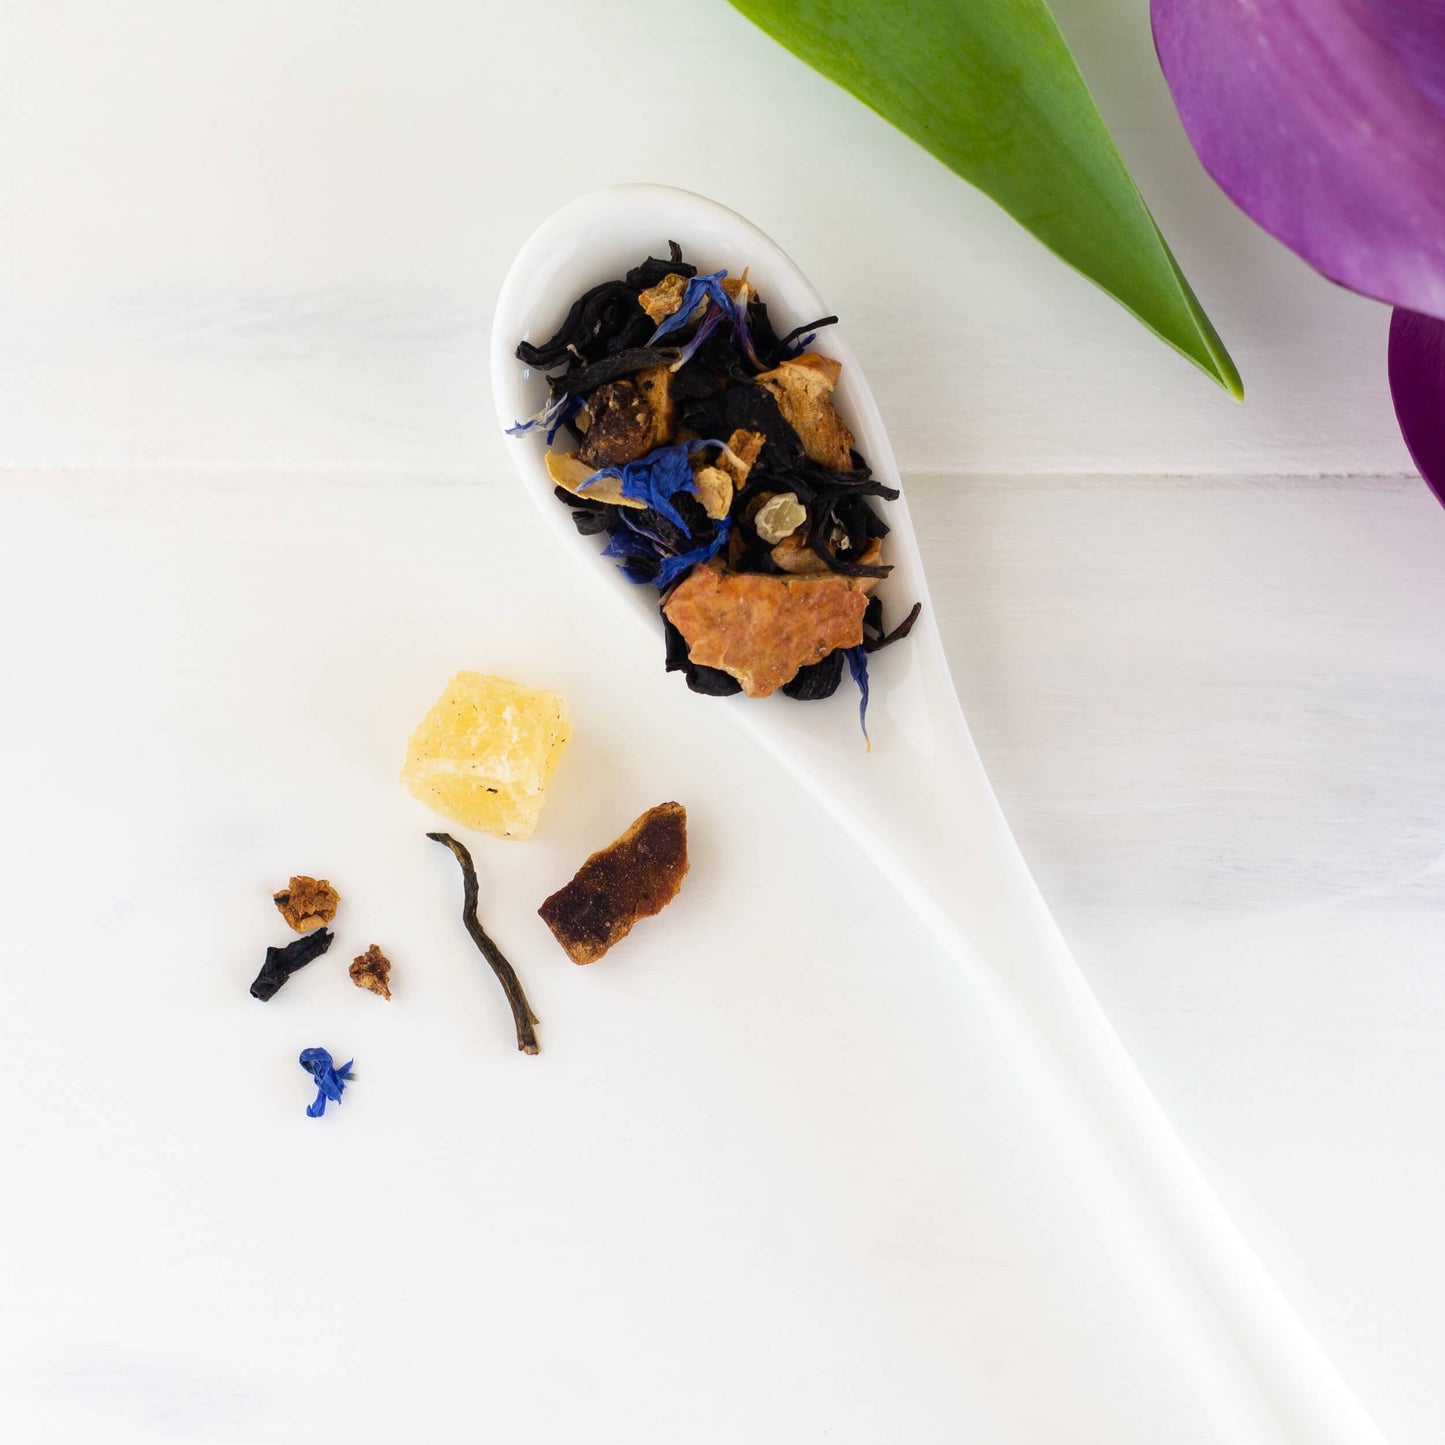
522	1014
632	878
372	970
330	1081
307	903
485	752
281	963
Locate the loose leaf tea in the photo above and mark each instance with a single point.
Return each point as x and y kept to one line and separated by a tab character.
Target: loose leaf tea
522	1013
281	963
330	1080
710	455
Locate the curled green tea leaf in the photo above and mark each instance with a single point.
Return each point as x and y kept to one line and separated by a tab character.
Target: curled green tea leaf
991	89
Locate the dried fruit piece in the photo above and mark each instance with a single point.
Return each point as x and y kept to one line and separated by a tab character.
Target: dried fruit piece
740	454
371	970
803	389
633	878
714	491
662	300
625	420
307	903
619	428
572	476
762	629
780	516
795	556
486	751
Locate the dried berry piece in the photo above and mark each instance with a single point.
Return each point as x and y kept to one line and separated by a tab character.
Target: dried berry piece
307	903
371	970
281	963
631	879
621	426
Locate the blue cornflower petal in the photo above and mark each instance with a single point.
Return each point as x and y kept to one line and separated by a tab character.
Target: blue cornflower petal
742	336
697	288
551	416
674	567
330	1080
858	666
653	479
623	543
705	329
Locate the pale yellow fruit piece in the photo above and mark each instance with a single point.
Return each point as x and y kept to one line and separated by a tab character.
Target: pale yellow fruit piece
485	752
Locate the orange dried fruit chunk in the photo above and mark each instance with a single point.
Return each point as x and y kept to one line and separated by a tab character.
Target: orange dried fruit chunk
485	753
762	629
307	903
803	389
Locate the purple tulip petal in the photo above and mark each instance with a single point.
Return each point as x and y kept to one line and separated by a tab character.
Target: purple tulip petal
1323	120
1417	382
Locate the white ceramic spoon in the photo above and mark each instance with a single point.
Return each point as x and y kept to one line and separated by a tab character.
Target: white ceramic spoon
921	807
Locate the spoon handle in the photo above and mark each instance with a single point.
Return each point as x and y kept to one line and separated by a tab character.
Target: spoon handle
921	805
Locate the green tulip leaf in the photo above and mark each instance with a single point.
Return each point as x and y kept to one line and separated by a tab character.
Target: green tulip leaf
991	89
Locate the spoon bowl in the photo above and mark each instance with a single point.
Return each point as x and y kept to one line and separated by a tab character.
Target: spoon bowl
921	807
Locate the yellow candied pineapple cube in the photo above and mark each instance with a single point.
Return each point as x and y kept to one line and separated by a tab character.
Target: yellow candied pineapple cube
484	754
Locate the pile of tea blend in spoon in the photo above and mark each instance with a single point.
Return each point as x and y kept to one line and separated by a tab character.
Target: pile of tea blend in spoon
708	451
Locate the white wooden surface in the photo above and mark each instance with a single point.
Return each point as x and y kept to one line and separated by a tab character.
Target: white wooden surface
270	234
247	257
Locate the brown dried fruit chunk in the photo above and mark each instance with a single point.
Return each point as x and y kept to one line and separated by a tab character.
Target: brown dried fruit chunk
662	300
307	903
762	629
803	389
630	879
626	419
371	970
621	426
